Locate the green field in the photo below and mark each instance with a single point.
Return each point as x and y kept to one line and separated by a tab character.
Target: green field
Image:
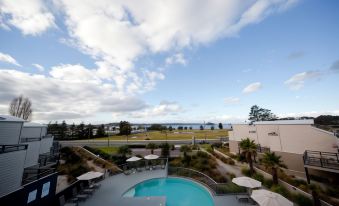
173	135
109	150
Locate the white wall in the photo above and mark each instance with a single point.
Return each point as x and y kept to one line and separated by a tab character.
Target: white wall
291	138
12	168
10	132
32	153
46	144
31	132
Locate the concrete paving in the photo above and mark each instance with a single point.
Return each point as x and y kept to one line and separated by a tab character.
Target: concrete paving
113	188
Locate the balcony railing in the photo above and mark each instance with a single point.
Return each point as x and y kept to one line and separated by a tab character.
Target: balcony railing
321	159
32	174
261	149
12	148
217	188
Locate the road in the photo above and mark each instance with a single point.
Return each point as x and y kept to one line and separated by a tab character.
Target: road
104	143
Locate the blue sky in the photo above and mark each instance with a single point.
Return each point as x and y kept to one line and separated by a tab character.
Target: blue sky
169	64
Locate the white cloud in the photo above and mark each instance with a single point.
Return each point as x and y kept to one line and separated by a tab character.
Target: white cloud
8	59
231	100
309	114
176	59
39	67
30	16
165	108
252	87
297	81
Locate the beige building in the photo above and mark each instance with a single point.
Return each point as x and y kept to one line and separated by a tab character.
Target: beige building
303	147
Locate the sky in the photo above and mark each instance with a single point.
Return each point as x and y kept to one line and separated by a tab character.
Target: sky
169	61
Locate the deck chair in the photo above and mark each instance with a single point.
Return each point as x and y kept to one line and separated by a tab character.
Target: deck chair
147	167
126	171
163	165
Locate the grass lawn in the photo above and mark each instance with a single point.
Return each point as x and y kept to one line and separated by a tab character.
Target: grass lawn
109	150
173	135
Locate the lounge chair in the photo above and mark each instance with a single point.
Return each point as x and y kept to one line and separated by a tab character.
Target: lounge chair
62	202
163	165
78	197
147	167
245	198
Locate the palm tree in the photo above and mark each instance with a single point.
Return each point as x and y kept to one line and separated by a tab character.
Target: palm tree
249	149
124	150
272	161
152	147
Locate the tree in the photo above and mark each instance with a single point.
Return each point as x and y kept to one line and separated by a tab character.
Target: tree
124	151
81	131
201	127
170	128
63	130
151	146
180	128
249	149
90	131
165	150
21	107
261	114
125	128
185	128
190	128
212	127
101	131
272	161
220	126
157	127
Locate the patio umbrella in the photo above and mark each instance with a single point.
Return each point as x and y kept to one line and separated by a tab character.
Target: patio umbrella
151	157
90	175
267	198
246	182
133	159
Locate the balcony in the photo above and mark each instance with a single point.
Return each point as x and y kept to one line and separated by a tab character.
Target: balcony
261	149
12	148
325	160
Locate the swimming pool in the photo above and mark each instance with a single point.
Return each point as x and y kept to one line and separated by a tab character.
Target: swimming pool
178	192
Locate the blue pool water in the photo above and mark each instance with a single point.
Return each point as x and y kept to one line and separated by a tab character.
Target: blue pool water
178	192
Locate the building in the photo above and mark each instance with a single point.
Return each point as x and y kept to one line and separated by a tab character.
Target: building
303	147
28	158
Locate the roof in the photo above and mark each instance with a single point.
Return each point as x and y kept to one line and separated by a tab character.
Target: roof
33	124
281	122
9	118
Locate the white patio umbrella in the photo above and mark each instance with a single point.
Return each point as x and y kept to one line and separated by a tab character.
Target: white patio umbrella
133	159
90	175
268	198
246	182
151	157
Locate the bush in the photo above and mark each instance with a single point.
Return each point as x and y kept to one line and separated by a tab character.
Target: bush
245	171
281	190
232	175
302	200
268	183
217	144
258	177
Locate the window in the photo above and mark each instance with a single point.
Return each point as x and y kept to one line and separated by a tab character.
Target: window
45	189
31	196
252	131
272	134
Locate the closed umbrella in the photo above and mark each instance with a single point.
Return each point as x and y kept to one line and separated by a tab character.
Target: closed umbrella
246	182
268	198
90	175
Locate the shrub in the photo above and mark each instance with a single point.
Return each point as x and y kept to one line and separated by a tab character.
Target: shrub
281	190
232	175
268	183
202	154
302	200
245	171
332	191
217	144
258	177
230	161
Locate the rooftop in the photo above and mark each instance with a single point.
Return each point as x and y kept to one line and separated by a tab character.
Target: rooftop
281	122
9	118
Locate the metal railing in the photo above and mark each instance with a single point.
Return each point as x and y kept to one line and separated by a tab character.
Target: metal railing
321	159
30	139
12	148
261	149
144	164
32	174
217	188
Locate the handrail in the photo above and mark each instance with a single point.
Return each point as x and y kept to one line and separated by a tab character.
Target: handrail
216	188
12	148
321	159
39	173
30	139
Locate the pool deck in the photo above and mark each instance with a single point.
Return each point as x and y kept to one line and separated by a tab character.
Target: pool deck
112	188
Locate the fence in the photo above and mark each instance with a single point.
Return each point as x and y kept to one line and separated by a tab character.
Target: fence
217	188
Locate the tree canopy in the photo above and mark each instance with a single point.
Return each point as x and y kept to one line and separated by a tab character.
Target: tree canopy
21	107
125	128
260	114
